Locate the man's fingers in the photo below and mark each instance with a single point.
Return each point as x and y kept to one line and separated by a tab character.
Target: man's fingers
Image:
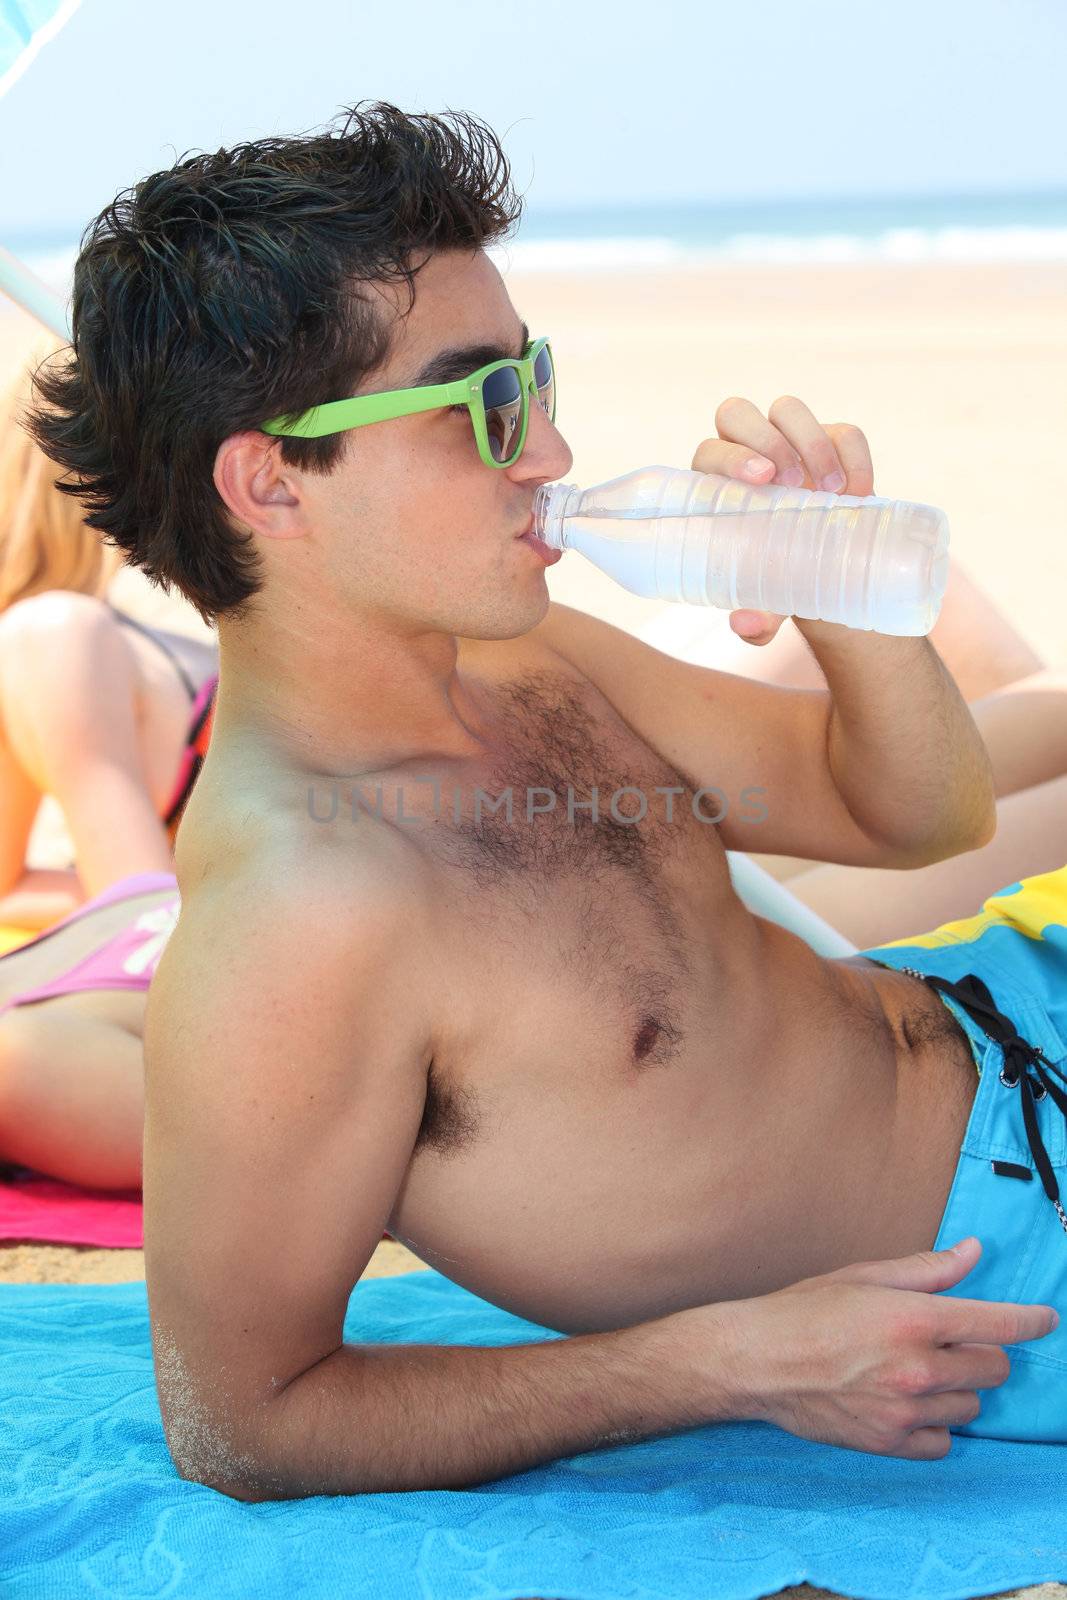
802	452
739	421
951	1409
924	1272
928	1444
808	436
854	454
733	461
756	627
990	1321
963	1366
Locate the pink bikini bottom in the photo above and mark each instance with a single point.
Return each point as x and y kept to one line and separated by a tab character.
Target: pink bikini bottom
128	959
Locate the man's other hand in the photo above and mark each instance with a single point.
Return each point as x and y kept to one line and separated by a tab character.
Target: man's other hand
871	1357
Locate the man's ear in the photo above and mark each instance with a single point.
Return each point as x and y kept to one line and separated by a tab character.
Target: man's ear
257	487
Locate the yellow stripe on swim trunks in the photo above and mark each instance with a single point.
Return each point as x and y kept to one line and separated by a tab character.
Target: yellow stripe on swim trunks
1028	906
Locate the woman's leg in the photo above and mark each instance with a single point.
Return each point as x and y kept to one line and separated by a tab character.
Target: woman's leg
68	699
41	897
72	1094
1024	728
19	801
873	905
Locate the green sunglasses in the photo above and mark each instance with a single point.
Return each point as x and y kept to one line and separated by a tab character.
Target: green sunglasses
497	397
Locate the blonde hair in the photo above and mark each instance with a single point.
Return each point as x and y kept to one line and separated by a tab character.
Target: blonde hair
44	543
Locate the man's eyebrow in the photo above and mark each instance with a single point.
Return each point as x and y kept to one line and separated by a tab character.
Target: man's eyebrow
457	361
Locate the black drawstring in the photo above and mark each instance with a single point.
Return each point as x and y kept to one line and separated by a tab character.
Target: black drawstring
975	998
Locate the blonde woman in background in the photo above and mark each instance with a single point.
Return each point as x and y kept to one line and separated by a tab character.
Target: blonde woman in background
96	709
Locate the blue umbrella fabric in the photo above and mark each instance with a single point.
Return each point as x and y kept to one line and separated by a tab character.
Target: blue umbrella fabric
25	27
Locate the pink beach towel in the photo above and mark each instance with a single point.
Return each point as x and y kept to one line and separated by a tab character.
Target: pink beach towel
43	1210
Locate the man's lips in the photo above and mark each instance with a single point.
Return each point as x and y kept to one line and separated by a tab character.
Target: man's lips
548	555
528	528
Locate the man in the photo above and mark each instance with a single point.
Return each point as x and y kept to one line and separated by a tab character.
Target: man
550	1051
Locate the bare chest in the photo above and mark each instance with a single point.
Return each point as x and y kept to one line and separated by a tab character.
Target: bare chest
617	1073
582	905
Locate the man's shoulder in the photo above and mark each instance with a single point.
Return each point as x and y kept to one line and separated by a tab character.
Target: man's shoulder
310	879
307	951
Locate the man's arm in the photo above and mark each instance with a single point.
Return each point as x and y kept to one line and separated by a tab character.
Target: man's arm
288	1036
905	753
885	768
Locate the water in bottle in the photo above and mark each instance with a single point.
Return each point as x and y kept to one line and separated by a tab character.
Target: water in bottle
696	537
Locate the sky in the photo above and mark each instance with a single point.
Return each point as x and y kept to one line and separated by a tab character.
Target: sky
597	101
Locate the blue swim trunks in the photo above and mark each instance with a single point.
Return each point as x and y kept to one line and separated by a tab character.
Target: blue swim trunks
1003	975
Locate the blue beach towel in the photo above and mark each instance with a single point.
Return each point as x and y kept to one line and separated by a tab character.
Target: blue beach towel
90	1503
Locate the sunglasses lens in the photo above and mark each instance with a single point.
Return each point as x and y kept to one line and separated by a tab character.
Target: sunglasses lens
545	378
502	399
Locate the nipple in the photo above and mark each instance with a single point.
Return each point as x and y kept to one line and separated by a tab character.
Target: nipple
647	1034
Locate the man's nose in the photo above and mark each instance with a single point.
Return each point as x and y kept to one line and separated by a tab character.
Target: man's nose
546	453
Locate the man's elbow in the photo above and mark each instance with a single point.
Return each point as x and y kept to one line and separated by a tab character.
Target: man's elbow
225	1474
244	1475
978	818
955	840
242	1480
203	1451
988	830
973	832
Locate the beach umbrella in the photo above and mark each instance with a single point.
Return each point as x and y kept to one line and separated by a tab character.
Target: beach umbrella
26	26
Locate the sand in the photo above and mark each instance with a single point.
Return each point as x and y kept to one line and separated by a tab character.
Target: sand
59	1263
955	375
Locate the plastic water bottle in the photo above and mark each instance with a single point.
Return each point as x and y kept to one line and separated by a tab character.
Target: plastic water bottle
696	537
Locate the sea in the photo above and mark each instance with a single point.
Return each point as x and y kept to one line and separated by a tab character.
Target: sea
1016	226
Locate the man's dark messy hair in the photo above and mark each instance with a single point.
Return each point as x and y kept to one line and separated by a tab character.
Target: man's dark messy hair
219	294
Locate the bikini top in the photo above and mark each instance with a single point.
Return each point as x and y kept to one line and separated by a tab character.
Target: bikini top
196	653
197	738
187	656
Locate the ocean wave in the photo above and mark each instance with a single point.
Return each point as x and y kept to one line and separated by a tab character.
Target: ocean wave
644	253
905	245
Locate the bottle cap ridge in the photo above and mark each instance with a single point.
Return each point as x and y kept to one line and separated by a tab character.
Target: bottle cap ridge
549	509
